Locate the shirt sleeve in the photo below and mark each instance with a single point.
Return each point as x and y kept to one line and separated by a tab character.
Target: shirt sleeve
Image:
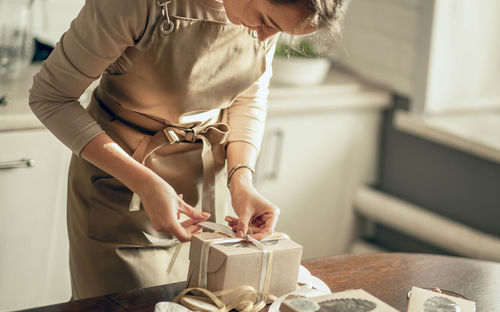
96	38
247	114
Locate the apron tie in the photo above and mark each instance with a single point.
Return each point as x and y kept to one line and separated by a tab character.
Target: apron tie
214	134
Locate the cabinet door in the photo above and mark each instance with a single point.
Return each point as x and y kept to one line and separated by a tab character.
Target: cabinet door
34	266
310	166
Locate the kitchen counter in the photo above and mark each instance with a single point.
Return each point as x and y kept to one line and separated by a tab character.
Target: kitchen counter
341	90
477	133
15	112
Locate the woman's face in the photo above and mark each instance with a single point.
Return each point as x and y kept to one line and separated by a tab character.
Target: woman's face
268	18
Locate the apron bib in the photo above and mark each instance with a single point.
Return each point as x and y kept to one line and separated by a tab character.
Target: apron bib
189	66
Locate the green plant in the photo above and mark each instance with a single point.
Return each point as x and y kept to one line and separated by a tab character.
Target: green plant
304	49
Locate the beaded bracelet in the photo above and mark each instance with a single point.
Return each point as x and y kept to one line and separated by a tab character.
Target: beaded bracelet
238	166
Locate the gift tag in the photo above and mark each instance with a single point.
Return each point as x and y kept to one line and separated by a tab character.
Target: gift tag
424	300
164	242
303	305
356	300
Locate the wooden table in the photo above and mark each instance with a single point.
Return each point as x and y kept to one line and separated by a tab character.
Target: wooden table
388	276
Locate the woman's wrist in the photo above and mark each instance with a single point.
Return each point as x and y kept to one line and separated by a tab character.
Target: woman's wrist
104	153
243	177
140	179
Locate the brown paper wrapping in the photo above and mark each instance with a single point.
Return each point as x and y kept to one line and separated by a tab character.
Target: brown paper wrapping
237	264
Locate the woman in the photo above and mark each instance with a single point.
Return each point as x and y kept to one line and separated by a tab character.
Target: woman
183	90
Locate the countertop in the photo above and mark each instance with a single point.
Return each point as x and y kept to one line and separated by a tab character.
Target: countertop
15	112
340	91
477	133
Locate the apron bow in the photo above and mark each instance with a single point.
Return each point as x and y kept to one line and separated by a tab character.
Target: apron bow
214	134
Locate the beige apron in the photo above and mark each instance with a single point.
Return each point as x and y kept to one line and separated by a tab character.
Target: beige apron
191	66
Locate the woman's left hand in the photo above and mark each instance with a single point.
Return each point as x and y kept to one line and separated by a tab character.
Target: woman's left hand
253	211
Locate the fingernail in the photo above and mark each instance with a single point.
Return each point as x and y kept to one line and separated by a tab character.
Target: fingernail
240	233
227	219
206	214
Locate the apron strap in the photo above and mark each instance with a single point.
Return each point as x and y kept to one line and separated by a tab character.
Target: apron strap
210	135
162	134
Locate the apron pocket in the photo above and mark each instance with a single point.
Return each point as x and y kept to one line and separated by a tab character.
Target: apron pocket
110	220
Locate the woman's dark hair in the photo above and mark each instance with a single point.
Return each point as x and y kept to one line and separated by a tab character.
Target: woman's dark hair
324	13
327	16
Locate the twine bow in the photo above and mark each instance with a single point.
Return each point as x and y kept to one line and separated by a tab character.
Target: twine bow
249	299
207	301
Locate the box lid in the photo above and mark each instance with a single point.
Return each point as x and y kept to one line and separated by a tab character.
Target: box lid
219	252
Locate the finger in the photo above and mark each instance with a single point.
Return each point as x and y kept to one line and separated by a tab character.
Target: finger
193	213
231	219
261	235
257	221
183	205
232	223
242	227
178	213
193	228
268	222
178	231
188	223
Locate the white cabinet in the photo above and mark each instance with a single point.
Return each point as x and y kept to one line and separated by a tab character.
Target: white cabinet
34	266
320	144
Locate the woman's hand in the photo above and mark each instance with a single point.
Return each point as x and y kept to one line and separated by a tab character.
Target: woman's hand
163	207
253	210
162	204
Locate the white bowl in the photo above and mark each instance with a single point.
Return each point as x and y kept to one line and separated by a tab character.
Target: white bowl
299	70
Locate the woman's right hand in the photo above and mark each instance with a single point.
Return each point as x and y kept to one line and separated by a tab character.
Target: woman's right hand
163	207
162	204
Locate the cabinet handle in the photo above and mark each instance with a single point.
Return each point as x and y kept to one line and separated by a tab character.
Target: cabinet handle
21	163
3	100
273	174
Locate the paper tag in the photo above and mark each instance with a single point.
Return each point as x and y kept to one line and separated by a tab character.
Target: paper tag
424	300
303	305
350	300
164	242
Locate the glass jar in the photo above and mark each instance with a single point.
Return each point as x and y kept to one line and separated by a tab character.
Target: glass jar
16	40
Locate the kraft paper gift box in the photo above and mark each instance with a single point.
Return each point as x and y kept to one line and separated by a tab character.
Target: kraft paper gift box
230	262
355	300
